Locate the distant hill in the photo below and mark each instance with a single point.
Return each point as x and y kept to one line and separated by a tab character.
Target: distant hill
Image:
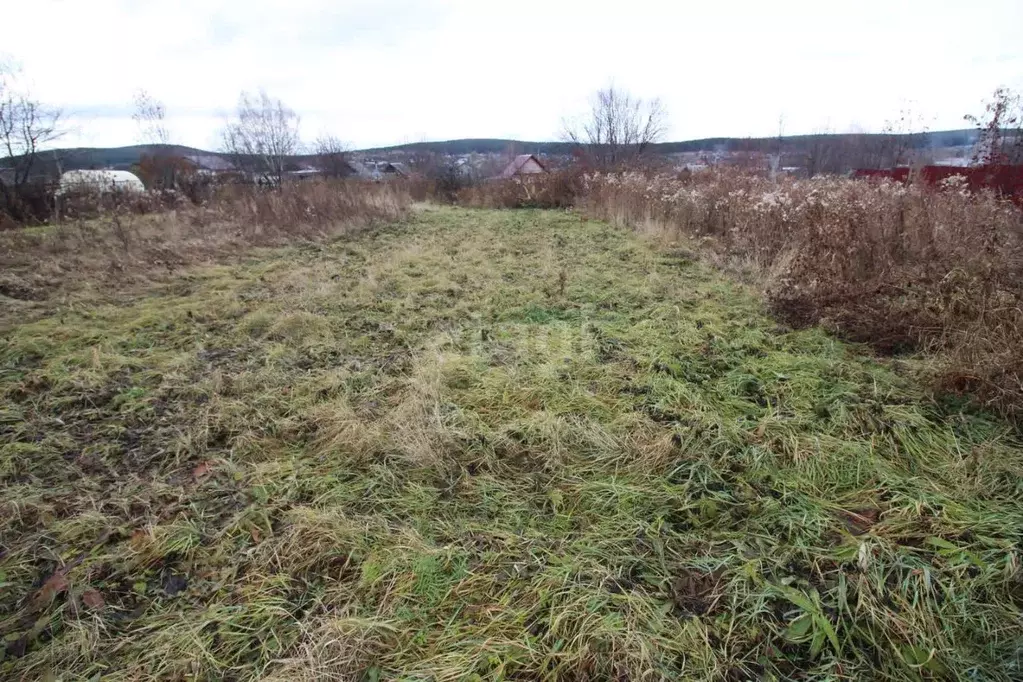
121	158
79	158
476	146
940	138
125	157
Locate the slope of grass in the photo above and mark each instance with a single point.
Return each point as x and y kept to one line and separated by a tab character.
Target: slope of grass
489	445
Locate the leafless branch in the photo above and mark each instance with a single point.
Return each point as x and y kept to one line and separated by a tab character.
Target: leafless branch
618	130
1001	129
151	117
332	156
261	137
27	126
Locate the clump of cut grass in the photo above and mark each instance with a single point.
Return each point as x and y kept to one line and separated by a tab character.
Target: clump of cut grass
490	445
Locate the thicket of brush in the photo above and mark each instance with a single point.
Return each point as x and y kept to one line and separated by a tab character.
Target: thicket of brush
902	267
158	232
549	190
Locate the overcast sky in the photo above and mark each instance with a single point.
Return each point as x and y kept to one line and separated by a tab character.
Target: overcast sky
378	72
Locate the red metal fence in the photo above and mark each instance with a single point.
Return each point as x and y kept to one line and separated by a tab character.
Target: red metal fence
1006	180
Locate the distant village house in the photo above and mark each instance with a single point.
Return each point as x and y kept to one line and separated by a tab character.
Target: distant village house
209	163
379	170
523	164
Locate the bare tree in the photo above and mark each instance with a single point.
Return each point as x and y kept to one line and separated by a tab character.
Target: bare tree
262	137
332	156
26	127
828	152
1001	129
151	118
903	140
158	166
618	130
821	152
776	149
868	150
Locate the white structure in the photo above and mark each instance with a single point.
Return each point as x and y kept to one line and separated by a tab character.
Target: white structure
100	181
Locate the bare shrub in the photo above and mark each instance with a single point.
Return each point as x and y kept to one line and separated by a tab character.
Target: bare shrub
543	190
437	178
421	187
85	203
901	267
311	208
28	203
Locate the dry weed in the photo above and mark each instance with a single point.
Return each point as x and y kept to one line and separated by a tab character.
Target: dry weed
123	245
900	267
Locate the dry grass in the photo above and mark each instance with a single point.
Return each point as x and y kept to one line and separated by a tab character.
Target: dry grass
489	445
42	267
902	268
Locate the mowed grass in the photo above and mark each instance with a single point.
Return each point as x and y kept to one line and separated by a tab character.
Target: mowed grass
490	445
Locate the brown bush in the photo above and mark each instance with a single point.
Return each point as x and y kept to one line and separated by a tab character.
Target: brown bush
31	202
421	187
88	204
899	267
310	208
547	190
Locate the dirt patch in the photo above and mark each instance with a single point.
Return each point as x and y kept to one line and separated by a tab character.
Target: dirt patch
695	593
860	521
20	291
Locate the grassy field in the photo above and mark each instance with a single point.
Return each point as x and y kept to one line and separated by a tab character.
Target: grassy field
489	445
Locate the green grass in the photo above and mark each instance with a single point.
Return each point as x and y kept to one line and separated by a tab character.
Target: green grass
490	445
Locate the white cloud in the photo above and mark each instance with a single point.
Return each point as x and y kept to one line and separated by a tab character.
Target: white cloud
395	70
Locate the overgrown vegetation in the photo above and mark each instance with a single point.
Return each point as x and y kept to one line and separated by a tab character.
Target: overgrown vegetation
547	190
153	235
490	445
903	267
